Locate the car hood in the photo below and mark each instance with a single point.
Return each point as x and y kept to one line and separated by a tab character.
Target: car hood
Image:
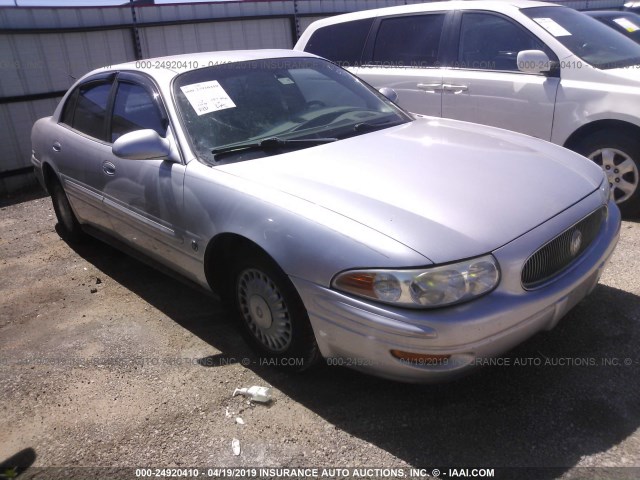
446	189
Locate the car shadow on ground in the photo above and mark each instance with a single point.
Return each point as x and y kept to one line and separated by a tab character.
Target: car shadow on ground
21	196
565	394
13	466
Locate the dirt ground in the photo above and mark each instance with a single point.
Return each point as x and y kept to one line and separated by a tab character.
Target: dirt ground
105	362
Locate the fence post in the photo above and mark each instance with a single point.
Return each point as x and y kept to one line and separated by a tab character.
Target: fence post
135	34
295	19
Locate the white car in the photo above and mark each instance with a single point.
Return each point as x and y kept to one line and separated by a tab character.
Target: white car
535	68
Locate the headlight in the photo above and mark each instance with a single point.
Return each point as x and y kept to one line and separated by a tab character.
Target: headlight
430	287
605	189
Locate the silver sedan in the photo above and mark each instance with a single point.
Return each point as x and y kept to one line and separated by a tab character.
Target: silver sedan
336	224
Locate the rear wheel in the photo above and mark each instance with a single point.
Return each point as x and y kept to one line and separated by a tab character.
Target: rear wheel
271	314
619	156
68	226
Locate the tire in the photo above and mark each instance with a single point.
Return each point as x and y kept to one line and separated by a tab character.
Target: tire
619	156
68	226
271	315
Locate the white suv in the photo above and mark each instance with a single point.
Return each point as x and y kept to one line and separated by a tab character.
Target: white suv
536	68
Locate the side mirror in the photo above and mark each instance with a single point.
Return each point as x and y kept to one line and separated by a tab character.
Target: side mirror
533	61
390	93
141	145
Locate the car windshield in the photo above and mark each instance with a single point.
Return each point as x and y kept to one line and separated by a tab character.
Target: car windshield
592	41
626	23
288	99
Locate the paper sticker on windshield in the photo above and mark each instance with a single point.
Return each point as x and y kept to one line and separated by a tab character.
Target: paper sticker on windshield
552	27
627	24
207	97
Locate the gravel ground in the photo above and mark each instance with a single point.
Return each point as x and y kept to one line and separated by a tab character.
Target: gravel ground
104	362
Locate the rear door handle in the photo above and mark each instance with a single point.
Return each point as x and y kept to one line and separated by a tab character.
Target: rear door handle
430	87
57	147
109	168
455	89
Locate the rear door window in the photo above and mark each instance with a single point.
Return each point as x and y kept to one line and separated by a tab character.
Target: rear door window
90	109
341	43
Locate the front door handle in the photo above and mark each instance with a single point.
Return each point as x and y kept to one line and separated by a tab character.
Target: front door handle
455	89
109	168
57	147
430	87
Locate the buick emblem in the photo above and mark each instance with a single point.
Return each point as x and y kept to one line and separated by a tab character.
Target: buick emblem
576	243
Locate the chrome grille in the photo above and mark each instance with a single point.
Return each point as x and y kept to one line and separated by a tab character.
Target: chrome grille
560	252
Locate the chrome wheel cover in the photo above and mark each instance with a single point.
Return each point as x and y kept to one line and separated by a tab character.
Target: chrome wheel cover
621	171
264	310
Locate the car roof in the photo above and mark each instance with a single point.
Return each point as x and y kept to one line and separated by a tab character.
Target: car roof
165	68
495	5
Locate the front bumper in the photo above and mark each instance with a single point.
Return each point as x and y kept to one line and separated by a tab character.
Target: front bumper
360	334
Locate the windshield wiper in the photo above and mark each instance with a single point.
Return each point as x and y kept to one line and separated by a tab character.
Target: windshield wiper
370	127
271	143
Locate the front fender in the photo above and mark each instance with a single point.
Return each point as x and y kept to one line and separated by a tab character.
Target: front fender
582	103
306	240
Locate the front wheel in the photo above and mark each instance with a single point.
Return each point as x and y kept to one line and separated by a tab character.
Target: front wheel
271	314
619	156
